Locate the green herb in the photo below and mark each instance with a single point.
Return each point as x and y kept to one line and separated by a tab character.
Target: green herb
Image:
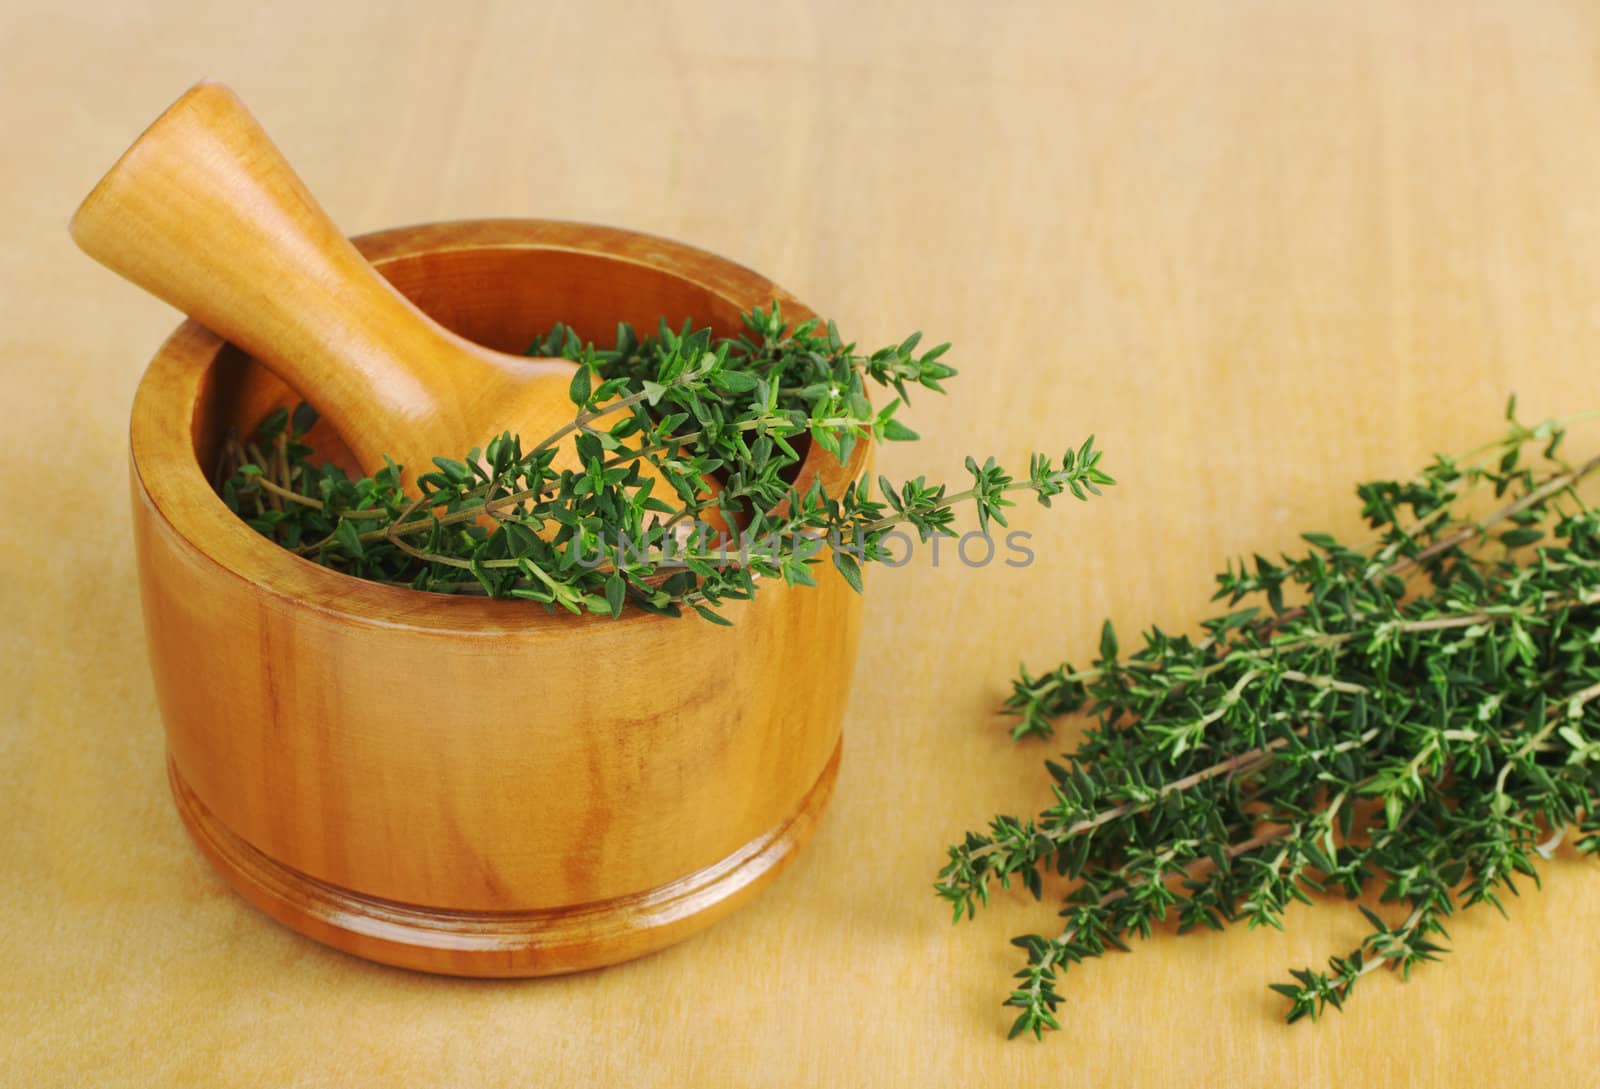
502	521
1416	717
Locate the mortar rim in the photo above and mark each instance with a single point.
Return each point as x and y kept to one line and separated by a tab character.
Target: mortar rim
169	480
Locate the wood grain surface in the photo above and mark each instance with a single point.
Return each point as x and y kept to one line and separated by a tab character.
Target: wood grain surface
1262	249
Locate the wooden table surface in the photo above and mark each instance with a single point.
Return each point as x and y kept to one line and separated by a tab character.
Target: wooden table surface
1261	249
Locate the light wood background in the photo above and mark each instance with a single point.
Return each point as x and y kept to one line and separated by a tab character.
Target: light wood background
1262	249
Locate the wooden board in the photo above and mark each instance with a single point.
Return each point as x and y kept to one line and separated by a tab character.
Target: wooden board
1261	249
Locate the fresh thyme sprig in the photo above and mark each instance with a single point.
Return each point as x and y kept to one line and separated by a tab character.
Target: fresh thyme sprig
725	425
1416	717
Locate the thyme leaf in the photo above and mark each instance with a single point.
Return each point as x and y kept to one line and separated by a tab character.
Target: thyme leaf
1414	719
742	412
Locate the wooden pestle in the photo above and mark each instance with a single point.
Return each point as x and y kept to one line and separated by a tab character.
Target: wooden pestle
204	211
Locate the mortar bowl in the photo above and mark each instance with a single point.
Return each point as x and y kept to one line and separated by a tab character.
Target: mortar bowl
455	784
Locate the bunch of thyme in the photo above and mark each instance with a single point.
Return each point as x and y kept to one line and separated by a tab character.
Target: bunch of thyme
1415	717
742	412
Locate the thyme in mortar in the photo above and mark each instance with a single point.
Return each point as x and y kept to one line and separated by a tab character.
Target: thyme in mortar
502	521
1419	720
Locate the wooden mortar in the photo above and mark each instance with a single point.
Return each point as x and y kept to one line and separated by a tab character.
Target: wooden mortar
463	785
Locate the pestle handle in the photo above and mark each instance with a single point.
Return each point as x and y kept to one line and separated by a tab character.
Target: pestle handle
205	212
